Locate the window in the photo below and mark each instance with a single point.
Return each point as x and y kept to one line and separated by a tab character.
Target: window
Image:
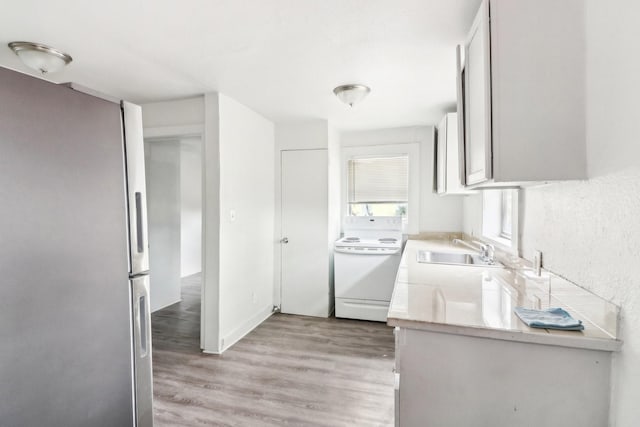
500	218
378	186
506	214
382	180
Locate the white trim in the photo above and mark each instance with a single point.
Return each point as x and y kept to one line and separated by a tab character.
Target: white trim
241	331
173	131
491	231
412	150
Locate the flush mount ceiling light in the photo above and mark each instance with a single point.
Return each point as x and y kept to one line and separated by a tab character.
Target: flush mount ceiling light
40	57
351	94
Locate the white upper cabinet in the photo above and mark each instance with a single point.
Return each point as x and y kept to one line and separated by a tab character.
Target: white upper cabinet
477	80
521	93
440	186
447	157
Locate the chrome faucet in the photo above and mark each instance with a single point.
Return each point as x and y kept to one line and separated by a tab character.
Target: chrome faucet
487	253
487	250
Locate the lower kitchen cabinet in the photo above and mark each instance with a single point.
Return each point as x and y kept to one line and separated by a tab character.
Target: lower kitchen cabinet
464	359
454	380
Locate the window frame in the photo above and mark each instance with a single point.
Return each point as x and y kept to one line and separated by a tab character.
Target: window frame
412	151
351	190
493	219
506	230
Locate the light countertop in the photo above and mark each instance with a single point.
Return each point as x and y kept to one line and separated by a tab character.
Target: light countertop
479	301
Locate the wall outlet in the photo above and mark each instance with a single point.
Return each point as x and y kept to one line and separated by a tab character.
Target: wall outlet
537	263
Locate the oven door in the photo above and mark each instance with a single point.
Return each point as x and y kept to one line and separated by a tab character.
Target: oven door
366	273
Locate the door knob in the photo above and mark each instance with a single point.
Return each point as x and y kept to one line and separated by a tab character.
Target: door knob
284	240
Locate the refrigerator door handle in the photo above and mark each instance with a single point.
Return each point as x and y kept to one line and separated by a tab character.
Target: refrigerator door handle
140	229
142	351
136	188
143	314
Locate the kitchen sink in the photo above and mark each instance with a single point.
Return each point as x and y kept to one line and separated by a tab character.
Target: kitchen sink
454	258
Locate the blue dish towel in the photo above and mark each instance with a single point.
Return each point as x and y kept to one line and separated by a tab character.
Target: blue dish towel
552	318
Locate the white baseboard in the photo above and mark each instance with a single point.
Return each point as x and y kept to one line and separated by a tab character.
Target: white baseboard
249	325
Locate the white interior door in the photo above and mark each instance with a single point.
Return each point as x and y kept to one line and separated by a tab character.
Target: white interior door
305	250
190	206
162	158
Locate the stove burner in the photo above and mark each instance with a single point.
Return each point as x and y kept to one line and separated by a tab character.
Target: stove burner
351	239
387	240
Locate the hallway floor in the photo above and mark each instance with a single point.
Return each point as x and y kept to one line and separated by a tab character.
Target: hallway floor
291	370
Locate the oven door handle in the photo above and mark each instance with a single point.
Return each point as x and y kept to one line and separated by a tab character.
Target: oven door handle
367	251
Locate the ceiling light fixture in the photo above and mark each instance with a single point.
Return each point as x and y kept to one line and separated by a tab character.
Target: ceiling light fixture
351	94
40	57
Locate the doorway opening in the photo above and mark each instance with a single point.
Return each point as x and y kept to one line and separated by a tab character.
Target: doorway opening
174	203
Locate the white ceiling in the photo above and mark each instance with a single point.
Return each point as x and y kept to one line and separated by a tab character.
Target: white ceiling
282	58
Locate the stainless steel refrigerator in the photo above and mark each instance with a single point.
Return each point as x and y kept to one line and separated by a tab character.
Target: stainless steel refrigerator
75	333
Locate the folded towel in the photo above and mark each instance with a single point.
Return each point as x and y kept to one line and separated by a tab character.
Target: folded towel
552	318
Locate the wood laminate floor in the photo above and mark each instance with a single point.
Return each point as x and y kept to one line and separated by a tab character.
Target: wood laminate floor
291	370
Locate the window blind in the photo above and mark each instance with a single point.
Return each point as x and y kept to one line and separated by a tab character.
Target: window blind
379	180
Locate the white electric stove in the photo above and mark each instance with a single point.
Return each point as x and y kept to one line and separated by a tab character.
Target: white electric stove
366	262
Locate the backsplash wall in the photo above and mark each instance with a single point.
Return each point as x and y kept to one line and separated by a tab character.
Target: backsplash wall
589	232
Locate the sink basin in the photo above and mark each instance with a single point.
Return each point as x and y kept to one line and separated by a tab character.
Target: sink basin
454	258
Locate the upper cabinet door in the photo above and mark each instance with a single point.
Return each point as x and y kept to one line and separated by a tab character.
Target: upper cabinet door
521	93
477	100
441	158
460	82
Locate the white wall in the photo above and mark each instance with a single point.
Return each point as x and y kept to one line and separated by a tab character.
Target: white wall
300	135
176	113
237	174
162	160
437	213
589	231
246	241
190	206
